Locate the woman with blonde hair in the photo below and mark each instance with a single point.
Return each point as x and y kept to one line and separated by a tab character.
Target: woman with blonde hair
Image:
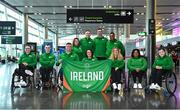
116	67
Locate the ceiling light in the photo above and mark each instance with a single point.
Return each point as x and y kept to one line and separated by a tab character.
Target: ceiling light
137	13
136	19
173	13
65	6
46	19
70	6
40	14
26	6
35	13
43	19
144	6
163	19
31	6
110	6
142	13
167	19
104	6
54	12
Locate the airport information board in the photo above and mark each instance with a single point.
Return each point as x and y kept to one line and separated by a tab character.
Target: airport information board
11	39
100	15
7	27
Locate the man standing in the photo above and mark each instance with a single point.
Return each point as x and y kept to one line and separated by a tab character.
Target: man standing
113	42
100	45
86	43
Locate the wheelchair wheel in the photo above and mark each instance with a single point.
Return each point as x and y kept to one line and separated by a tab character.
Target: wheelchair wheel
171	83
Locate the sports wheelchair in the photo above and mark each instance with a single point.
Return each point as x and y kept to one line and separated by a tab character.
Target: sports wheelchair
52	81
169	82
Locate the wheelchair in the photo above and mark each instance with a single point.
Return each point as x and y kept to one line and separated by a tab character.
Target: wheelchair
169	82
52	81
17	78
130	81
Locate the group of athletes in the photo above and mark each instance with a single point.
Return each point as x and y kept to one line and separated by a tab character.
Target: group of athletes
99	48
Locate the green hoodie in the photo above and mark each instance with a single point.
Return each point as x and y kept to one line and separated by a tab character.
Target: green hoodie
77	50
114	43
137	62
72	56
100	46
87	59
86	43
118	63
30	59
166	62
47	60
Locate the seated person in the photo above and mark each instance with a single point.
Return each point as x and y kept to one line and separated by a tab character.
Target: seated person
89	56
116	68
162	65
137	66
47	61
68	54
27	63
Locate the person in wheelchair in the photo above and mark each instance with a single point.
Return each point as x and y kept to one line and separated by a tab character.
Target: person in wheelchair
27	64
163	64
47	61
68	54
89	56
137	66
116	68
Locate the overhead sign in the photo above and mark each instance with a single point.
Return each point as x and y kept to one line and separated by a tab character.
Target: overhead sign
11	39
100	15
7	27
152	26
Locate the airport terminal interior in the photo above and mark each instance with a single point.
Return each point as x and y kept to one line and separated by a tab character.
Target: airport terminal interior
146	25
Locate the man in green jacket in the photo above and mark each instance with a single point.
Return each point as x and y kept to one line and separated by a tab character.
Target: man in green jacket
47	61
69	55
114	43
87	43
27	64
100	45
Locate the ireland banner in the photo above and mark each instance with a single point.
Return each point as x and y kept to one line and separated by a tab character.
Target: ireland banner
86	76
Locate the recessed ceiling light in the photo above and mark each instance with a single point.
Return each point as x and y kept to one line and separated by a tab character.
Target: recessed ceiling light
144	6
54	12
46	19
104	6
40	14
26	6
163	19
142	13
70	6
43	19
110	6
65	6
35	13
173	13
137	13
167	19
136	19
31	6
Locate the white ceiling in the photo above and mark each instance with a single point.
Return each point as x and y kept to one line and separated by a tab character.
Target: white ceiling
53	13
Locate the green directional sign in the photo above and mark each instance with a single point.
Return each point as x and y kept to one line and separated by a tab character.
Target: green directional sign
11	39
142	34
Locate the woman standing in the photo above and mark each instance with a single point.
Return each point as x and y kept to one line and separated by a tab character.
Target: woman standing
77	48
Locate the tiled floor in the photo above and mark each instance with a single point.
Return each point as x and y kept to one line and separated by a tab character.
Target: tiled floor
50	99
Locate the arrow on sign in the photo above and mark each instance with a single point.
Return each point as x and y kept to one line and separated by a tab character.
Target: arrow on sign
129	13
70	19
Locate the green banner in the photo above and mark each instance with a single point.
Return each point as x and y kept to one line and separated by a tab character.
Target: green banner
86	76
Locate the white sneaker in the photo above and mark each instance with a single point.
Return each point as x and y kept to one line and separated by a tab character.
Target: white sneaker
28	72
152	86
139	86
157	87
135	85
23	83
114	86
119	86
